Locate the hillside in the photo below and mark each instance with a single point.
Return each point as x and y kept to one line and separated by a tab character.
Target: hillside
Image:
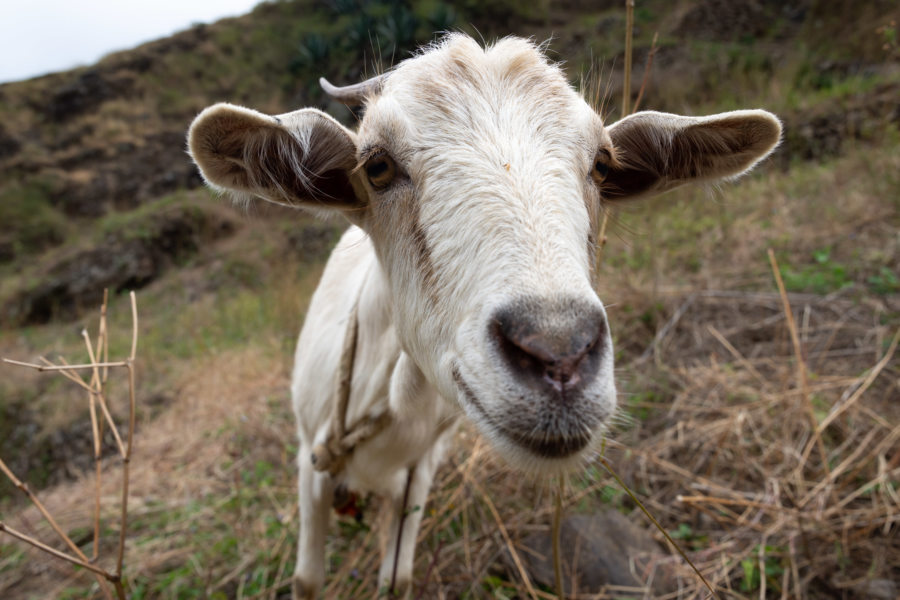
97	191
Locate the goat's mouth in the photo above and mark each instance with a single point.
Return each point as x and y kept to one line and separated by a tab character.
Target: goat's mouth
540	444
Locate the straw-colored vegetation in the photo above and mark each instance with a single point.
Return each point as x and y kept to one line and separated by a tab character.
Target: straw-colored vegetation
109	578
765	444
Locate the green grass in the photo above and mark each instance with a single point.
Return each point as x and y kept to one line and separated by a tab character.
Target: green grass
138	222
686	536
820	218
832	224
773	567
237	527
823	276
30	222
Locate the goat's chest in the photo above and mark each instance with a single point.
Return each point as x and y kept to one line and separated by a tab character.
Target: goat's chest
381	463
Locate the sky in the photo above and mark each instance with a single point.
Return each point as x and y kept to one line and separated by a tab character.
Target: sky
43	36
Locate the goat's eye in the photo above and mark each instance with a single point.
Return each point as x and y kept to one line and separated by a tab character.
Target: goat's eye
381	170
601	166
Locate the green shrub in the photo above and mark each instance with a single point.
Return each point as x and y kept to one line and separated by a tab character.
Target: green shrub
822	277
30	222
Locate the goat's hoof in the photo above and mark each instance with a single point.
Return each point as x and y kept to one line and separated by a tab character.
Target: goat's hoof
301	590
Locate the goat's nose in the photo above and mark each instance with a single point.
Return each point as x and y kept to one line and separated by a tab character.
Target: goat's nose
560	349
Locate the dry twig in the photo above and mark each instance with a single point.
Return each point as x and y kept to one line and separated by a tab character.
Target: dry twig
96	396
801	366
653	49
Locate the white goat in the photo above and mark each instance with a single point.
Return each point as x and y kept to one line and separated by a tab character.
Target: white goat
474	184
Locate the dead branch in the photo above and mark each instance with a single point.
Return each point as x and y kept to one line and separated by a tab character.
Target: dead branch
96	396
645	79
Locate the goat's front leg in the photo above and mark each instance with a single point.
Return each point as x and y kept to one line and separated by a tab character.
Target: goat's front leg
406	516
316	493
408	503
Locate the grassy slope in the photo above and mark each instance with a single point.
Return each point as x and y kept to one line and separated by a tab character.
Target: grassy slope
214	461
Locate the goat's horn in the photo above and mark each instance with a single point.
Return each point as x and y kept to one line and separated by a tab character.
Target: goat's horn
353	95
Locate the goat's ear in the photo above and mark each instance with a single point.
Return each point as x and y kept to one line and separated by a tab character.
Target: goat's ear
304	158
656	151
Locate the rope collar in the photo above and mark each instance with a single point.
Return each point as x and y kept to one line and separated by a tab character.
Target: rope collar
332	455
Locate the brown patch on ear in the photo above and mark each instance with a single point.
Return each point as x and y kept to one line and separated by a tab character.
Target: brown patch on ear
649	156
720	146
657	152
301	159
335	184
733	144
400	219
281	166
640	164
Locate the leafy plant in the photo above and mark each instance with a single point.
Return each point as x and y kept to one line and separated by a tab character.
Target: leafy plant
442	18
822	277
884	282
772	570
30	222
311	52
397	31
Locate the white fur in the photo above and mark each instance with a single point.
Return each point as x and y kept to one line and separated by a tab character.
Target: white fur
493	210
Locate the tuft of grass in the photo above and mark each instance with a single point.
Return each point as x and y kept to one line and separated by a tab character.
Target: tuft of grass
824	276
30	221
223	522
216	511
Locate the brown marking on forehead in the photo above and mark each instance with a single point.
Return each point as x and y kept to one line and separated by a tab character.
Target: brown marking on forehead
463	59
593	200
460	82
398	219
595	210
424	263
592	257
525	58
461	65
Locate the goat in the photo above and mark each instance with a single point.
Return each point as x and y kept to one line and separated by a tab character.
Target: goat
473	186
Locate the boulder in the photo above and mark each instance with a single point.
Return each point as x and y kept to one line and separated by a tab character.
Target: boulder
124	260
599	550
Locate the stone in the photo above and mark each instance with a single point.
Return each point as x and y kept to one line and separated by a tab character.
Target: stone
877	589
599	550
124	260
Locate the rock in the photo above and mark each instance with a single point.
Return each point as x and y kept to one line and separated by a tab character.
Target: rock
725	20
314	241
43	457
877	589
122	261
99	179
823	134
7	250
598	551
85	93
8	144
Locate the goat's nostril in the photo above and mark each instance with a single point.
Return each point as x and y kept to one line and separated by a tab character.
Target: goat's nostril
559	356
561	379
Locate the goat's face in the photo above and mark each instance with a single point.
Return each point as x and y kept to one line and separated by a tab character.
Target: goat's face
486	231
479	176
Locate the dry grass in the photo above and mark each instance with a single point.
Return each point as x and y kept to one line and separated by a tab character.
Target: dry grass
727	448
109	578
721	459
714	434
720	455
766	444
179	457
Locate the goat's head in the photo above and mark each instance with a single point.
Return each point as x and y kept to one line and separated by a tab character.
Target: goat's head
479	175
